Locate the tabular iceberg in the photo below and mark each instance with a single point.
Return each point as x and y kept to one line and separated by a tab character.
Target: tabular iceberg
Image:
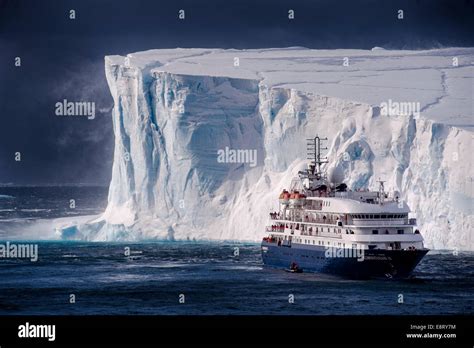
176	109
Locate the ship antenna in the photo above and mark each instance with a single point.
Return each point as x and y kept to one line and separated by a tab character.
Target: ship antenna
314	155
381	191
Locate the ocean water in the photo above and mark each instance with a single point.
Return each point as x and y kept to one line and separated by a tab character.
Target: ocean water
209	278
47	202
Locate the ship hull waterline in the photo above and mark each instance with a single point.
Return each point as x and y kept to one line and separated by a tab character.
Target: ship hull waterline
377	263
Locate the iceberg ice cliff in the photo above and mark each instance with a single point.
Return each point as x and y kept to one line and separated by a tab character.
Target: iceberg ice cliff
175	109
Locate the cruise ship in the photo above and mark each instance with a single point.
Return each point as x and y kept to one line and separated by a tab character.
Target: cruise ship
321	226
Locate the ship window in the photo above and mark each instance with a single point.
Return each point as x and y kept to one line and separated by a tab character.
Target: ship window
400	231
383	216
375	231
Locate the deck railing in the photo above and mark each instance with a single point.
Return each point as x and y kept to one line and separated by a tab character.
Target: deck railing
327	221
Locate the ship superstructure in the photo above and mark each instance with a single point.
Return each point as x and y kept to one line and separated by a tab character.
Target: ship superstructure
321	226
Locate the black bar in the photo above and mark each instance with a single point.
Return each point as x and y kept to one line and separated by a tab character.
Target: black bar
224	330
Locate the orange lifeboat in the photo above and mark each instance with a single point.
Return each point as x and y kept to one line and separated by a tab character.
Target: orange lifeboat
300	198
292	197
297	198
284	197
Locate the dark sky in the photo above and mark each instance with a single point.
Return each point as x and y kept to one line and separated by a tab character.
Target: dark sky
63	59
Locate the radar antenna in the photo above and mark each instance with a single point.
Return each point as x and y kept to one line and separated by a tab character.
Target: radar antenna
314	155
314	175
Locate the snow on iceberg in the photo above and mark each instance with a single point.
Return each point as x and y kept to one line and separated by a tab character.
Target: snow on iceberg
175	109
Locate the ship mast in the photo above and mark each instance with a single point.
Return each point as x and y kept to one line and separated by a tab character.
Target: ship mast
314	154
314	172
381	191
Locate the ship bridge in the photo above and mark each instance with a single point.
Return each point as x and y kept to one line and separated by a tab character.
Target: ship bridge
351	205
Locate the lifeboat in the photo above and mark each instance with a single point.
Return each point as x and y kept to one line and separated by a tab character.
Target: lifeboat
297	198
284	197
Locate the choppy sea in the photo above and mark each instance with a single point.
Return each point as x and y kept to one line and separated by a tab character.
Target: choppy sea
163	277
